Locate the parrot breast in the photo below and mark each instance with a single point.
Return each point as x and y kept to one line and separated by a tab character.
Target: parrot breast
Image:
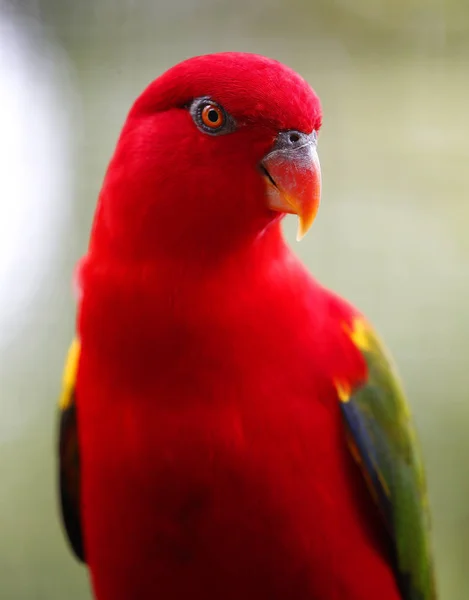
214	461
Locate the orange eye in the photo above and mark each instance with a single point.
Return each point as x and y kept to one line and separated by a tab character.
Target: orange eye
212	116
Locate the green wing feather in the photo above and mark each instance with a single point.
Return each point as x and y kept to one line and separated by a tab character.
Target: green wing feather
69	456
383	439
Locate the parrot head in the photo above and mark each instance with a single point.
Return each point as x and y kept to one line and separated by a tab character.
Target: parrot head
213	152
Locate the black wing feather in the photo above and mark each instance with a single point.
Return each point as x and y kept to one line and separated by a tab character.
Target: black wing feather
69	479
69	455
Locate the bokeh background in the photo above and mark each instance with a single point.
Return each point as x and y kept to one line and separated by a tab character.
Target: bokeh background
392	233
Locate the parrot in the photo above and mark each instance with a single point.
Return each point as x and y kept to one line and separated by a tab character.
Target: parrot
228	427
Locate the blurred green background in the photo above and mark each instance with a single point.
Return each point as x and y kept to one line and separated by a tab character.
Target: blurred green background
392	233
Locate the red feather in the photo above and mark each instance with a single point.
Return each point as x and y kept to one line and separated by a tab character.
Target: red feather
214	459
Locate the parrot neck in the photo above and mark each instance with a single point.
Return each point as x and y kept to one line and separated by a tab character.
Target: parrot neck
151	231
216	251
168	307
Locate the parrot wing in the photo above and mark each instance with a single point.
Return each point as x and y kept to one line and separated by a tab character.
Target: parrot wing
382	439
69	455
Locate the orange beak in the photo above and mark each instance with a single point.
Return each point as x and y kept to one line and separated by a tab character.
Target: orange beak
293	177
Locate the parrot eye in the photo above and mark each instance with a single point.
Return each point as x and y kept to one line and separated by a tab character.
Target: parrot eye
210	117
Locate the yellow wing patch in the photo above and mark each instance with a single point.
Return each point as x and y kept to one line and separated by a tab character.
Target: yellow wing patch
360	333
344	390
69	375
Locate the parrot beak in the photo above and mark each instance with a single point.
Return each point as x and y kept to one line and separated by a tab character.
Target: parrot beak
293	177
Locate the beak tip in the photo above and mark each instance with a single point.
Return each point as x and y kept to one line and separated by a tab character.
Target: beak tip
304	224
300	233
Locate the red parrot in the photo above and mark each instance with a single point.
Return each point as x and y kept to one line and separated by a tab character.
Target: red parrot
230	429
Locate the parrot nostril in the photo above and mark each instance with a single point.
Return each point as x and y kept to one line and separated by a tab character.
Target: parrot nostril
294	137
291	140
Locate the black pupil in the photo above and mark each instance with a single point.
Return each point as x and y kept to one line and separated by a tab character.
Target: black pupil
213	115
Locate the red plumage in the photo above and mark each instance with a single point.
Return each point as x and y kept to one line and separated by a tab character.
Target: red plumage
214	463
